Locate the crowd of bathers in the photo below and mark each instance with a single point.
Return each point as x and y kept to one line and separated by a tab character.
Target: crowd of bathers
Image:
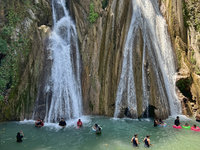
161	123
157	122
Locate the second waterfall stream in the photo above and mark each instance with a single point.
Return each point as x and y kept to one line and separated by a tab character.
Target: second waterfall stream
157	53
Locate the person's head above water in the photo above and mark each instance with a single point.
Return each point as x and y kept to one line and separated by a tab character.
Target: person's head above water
79	120
38	118
177	117
186	124
135	135
195	126
96	125
62	119
148	136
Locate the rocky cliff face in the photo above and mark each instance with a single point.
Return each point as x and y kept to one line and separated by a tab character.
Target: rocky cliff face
101	44
183	21
102	47
22	27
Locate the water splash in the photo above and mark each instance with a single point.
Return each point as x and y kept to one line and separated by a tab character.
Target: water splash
146	17
65	77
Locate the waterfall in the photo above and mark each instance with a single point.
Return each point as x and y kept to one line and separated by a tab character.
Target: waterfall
65	73
146	17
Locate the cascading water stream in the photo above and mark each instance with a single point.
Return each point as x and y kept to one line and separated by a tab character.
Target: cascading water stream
146	17
65	77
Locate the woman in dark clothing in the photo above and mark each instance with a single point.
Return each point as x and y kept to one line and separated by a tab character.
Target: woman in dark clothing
19	136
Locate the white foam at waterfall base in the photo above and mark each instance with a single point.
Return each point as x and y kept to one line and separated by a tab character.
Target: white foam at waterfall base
66	99
147	17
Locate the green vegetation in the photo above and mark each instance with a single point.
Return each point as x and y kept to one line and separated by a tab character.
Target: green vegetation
92	16
197	70
104	3
193	60
185	14
184	84
91	105
12	50
191	14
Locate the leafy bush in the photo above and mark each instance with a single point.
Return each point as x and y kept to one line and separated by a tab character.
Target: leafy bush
3	46
92	16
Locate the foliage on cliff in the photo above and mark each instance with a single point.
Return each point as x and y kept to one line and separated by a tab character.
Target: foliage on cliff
92	15
17	19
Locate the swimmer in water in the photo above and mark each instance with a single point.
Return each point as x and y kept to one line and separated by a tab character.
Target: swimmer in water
156	122
147	141
195	126
95	127
134	140
79	123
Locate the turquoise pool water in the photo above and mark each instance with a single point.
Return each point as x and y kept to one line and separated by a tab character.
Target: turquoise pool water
116	135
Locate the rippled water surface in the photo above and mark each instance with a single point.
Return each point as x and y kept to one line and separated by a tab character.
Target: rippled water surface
116	134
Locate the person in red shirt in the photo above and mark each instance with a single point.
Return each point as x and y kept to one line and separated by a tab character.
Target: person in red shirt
79	123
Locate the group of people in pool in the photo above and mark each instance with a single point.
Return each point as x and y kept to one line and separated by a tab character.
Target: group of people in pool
158	122
177	123
62	123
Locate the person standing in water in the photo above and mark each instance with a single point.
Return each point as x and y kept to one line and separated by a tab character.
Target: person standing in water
134	140
155	122
62	123
79	123
177	122
19	136
147	141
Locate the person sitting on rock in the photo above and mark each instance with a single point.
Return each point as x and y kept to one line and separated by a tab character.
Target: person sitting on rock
62	123
79	123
